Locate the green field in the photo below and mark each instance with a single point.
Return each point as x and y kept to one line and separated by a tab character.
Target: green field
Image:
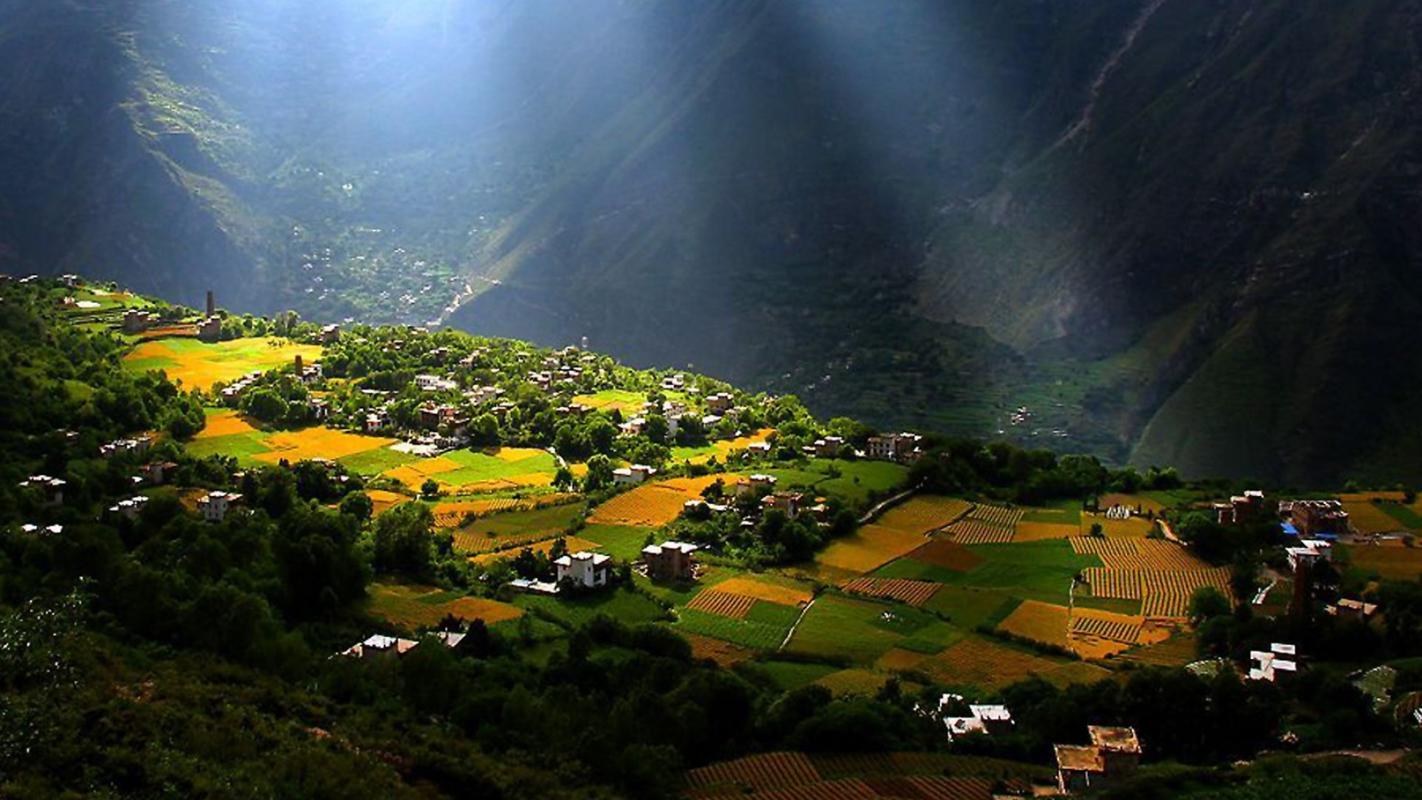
758	632
861	630
620	604
1065	512
374	462
853	483
969	607
476	466
1032	570
241	446
788	675
623	542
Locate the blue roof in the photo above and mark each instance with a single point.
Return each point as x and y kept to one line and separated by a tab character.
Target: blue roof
1290	529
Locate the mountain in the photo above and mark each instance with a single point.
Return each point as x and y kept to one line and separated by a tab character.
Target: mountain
1172	232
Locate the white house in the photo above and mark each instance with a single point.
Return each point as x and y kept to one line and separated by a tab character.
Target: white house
985	719
130	507
633	475
584	568
1265	664
434	383
214	505
53	488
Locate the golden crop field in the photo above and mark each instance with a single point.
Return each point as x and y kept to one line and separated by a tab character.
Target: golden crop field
771	589
421	606
651	505
382	501
224	423
451	514
1115	584
1152	554
1364	514
923	513
974	531
723	653
1006	516
725	604
1038	621
200	365
915	593
1133	528
318	442
898	659
1166	593
854	681
980	662
1394	561
868	548
1038	531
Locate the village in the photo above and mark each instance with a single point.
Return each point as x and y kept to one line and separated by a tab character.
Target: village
555	487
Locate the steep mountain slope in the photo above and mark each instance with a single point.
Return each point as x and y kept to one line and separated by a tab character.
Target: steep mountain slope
1177	232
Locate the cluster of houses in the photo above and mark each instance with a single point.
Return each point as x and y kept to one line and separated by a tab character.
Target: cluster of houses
1304	518
987	720
50	487
1265	665
904	448
379	645
137	445
1114	754
137	320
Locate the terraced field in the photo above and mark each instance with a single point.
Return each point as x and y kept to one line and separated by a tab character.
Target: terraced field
198	365
413	606
512	528
651	505
914	593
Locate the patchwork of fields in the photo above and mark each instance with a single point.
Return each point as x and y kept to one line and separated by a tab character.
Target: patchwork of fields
198	365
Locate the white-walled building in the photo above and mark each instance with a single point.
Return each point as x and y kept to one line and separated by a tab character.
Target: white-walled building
585	569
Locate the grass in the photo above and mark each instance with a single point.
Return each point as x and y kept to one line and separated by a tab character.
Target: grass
620	604
241	446
1065	512
1040	570
623	542
838	627
765	633
970	607
849	481
790	675
1403	514
373	462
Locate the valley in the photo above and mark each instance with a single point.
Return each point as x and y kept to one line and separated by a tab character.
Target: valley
534	507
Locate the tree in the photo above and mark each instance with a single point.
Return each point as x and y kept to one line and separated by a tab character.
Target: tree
430	488
265	404
358	505
1207	603
599	473
402	540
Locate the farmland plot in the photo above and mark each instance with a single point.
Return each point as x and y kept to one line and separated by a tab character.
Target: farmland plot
651	505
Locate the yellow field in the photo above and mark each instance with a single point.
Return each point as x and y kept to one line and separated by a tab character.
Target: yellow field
318	442
452	514
868	548
224	423
382	501
1040	622
199	367
725	447
980	662
417	472
724	654
900	660
1037	531
1367	517
421	606
923	513
862	682
782	591
651	505
1395	562
1133	528
574	545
